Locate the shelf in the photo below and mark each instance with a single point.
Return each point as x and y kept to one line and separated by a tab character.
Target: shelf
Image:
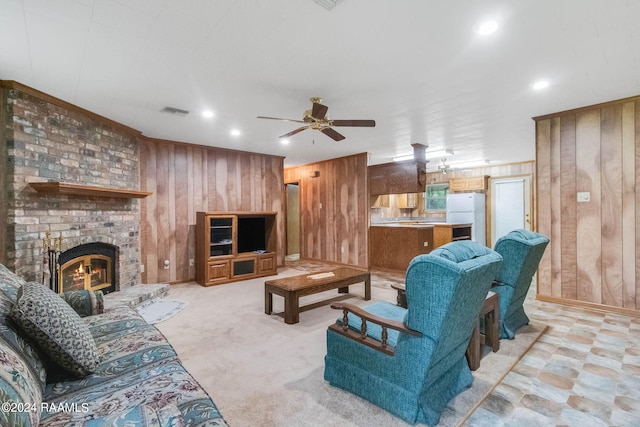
87	190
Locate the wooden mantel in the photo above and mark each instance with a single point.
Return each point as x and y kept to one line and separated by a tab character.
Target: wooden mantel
55	187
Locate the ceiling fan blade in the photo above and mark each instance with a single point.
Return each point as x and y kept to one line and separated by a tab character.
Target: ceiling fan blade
332	134
318	111
278	118
293	132
358	123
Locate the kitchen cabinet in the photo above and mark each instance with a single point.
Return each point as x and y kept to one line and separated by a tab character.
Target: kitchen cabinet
407	200
476	183
381	201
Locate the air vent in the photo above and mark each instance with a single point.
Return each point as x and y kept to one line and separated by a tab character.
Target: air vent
328	4
175	111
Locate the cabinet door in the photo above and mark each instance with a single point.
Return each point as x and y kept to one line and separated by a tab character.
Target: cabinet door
222	235
267	264
245	266
217	271
407	201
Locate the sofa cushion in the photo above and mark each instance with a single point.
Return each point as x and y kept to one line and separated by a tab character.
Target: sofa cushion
9	285
141	416
19	387
56	328
14	337
85	302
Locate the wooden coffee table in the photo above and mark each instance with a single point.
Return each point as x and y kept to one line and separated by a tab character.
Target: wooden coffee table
292	288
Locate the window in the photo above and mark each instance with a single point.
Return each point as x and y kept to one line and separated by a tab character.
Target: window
436	197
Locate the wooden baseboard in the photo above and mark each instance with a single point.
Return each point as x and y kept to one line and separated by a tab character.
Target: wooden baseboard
590	305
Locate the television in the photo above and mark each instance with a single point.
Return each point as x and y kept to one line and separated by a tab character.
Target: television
251	234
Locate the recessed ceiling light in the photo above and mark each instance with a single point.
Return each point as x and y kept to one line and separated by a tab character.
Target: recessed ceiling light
540	84
487	27
207	114
235	132
284	141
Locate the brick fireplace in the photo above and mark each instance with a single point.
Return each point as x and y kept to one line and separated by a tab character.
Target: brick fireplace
44	139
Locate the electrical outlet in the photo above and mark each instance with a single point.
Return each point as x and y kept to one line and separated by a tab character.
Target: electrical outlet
141	268
192	262
584	196
425	244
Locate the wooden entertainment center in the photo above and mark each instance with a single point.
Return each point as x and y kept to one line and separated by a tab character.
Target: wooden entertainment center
232	246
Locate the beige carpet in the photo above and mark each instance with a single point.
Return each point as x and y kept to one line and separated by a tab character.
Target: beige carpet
263	372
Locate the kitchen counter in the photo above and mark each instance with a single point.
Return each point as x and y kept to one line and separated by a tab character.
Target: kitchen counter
393	245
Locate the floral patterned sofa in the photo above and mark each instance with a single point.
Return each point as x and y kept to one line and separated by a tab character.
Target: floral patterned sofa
112	368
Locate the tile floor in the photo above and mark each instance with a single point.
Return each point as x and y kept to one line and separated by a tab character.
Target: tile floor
585	371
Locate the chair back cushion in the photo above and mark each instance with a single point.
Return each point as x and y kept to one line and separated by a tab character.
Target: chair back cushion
521	251
445	292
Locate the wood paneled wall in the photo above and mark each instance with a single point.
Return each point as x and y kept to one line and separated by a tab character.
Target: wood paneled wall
334	209
187	178
593	254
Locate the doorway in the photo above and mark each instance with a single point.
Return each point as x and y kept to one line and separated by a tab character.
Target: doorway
293	221
510	205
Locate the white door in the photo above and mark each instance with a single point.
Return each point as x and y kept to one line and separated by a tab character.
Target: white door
510	205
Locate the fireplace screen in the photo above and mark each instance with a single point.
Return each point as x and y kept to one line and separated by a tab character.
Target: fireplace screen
92	272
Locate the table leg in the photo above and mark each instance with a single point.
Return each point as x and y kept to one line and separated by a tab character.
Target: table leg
268	301
473	350
493	328
367	288
291	314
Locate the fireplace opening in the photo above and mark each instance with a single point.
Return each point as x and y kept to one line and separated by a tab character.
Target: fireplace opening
91	266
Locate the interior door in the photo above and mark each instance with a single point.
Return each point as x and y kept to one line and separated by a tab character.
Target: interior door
510	205
293	220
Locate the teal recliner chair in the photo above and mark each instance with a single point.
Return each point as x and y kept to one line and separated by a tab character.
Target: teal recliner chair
521	251
411	362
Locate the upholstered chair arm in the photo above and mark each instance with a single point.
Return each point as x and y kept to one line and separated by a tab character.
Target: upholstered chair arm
85	302
365	316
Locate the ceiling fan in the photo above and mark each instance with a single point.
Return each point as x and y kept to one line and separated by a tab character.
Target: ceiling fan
443	167
316	118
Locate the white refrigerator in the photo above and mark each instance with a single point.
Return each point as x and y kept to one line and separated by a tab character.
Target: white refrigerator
468	208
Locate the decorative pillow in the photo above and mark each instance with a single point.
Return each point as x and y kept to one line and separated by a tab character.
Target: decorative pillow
85	302
20	391
56	328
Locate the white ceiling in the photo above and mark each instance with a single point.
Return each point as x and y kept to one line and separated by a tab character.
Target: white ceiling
417	67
